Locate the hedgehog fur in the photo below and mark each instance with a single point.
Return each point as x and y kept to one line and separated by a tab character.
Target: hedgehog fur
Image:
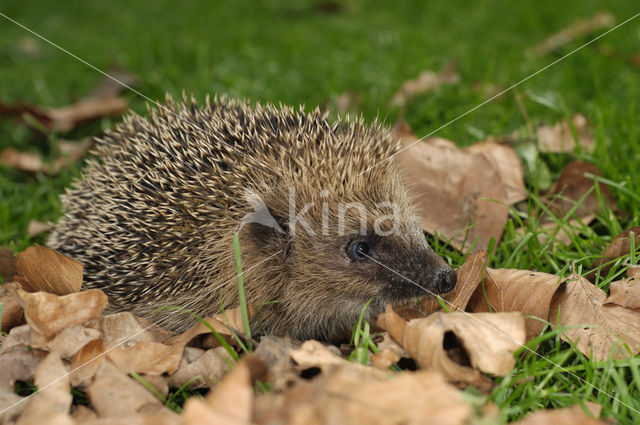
153	216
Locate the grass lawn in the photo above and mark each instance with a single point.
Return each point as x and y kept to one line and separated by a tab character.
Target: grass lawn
306	52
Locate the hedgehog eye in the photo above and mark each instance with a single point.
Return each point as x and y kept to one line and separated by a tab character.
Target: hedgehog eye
359	250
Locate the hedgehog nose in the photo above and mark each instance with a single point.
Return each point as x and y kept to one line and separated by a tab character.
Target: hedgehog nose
445	280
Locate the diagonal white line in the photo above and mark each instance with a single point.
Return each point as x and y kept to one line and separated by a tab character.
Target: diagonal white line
493	328
127	339
159	105
502	92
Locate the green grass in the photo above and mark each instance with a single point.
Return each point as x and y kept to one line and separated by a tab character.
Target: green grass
291	52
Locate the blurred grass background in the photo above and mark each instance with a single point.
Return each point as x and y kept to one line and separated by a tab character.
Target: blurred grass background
311	52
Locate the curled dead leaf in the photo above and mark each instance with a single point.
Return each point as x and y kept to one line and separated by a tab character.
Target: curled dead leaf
12	313
51	403
466	206
152	358
598	330
208	367
115	395
48	314
484	342
525	291
626	292
581	27
559	138
572	185
425	82
353	395
45	269
618	247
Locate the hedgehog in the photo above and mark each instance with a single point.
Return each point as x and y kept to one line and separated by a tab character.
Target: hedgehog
323	220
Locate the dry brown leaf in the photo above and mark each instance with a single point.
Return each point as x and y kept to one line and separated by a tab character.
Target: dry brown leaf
11	405
518	290
425	82
115	395
12	313
37	227
65	118
559	138
68	153
86	362
470	275
573	185
487	341
351	395
18	365
573	415
597	329
507	163
225	324
48	314
113	85
625	293
45	269
578	29
25	161
51	403
70	340
618	247
7	266
118	327
231	401
275	351
152	358
209	366
384	358
465	206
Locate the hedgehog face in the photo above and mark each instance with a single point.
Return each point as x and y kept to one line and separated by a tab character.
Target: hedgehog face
336	259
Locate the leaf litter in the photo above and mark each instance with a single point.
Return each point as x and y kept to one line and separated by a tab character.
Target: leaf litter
59	334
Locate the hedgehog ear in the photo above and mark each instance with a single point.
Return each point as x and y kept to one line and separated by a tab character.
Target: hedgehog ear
271	230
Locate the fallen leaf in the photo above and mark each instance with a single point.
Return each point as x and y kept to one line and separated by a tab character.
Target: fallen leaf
626	292
68	153
115	395
152	358
225	324
573	185
65	118
573	415
7	267
118	327
209	367
70	340
465	206
114	84
383	359
37	227
18	364
470	275
231	401
12	313
11	405
425	82
525	291
559	138
51	403
85	363
352	395
618	247
578	29
507	163
49	314
275	351
598	330
486	341
45	269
